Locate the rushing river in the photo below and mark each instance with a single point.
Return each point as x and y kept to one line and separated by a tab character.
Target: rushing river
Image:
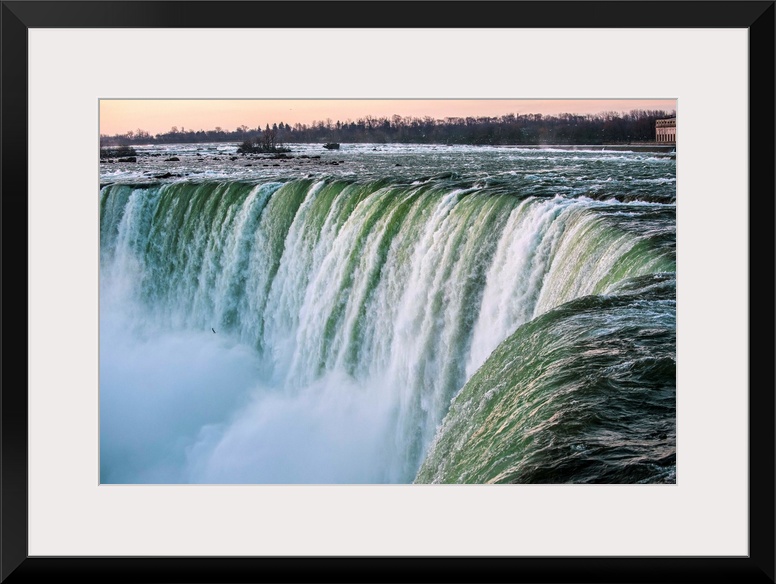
388	314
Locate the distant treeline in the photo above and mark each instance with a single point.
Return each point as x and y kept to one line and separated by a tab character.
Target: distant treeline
528	129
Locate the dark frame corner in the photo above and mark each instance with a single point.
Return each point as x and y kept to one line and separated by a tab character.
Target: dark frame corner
15	566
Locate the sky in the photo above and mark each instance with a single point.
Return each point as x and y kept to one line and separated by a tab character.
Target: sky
118	116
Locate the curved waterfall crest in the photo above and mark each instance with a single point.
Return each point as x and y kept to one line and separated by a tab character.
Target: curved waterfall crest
380	296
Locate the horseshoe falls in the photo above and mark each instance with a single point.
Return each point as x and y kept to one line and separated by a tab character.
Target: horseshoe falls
411	314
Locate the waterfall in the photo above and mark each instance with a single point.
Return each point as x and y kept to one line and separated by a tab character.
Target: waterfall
352	312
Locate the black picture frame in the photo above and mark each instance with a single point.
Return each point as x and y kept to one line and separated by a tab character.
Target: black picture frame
19	16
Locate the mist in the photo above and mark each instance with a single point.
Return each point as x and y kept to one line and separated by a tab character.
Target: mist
192	407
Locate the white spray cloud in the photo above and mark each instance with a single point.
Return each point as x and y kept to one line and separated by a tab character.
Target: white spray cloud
332	431
184	406
157	392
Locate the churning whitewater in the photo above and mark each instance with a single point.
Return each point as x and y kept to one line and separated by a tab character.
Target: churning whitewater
510	321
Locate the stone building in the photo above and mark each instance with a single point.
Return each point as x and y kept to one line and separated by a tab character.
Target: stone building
665	131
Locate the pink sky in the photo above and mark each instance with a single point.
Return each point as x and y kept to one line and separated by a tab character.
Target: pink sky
118	116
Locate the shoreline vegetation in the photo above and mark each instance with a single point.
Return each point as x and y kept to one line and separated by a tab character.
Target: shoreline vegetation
266	142
608	128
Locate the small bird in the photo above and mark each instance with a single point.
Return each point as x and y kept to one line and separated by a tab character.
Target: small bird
212	329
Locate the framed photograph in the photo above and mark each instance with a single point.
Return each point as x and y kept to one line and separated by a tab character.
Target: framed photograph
334	291
420	294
